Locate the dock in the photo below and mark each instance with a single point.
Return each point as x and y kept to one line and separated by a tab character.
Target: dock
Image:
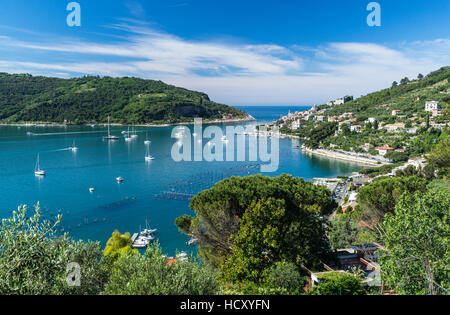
134	237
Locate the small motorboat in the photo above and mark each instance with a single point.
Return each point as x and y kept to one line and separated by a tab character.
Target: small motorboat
119	179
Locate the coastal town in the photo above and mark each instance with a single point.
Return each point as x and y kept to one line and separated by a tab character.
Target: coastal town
225	156
388	154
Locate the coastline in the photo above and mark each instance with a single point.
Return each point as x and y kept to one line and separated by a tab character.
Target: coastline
344	157
50	124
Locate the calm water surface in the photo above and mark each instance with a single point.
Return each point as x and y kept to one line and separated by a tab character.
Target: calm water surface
158	191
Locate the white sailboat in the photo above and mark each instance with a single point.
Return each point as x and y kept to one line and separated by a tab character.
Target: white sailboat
110	137
134	135
148	157
37	170
74	148
147	142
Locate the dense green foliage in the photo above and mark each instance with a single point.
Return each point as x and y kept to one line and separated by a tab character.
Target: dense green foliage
118	245
409	98
270	233
33	261
439	159
418	135
380	197
316	135
284	276
258	229
417	239
26	98
220	214
339	283
344	231
151	274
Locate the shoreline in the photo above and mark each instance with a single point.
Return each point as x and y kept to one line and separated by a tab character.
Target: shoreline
343	157
50	124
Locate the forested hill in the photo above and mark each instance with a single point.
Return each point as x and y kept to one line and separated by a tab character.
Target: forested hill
27	98
408	96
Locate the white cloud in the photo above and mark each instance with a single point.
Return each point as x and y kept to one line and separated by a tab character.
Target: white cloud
235	73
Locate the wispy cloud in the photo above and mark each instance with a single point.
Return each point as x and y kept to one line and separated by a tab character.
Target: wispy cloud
135	8
237	73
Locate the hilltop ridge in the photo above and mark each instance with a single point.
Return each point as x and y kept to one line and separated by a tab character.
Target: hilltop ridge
27	98
394	124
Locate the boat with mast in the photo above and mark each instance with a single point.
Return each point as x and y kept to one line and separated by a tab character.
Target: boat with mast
147	141
134	135
73	147
37	170
148	157
144	237
110	137
128	138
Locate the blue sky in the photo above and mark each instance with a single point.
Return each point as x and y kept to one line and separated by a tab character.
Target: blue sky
248	52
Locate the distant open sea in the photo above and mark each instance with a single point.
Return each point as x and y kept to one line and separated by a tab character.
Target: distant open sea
271	113
156	191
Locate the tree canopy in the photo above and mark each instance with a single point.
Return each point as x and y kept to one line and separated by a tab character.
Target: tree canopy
248	224
338	283
152	274
381	196
34	261
417	240
26	98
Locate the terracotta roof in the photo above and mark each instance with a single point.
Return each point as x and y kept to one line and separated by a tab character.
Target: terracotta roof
384	148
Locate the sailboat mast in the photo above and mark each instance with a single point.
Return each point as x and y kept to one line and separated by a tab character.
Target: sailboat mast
109	133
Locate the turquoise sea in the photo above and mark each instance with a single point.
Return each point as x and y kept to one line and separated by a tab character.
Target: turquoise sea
156	191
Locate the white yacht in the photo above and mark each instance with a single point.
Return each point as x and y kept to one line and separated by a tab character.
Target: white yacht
37	170
119	179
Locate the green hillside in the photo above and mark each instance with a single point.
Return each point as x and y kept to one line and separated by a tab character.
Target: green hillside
409	96
410	130
26	98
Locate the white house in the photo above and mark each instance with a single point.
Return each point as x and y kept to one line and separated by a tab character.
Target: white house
340	101
296	125
383	150
320	118
394	127
353	197
356	128
432	106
